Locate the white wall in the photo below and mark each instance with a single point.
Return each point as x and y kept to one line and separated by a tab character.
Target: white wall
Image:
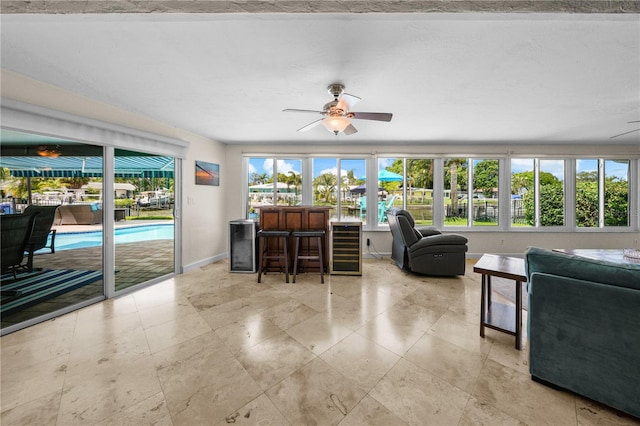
204	217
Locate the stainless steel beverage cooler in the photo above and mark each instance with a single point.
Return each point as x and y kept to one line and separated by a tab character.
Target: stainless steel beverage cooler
243	251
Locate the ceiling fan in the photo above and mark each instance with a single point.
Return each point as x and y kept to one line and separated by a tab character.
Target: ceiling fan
630	131
337	114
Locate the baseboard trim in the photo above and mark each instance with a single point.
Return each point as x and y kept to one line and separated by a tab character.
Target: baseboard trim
204	262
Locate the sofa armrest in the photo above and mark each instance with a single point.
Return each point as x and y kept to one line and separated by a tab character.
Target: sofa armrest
581	268
584	336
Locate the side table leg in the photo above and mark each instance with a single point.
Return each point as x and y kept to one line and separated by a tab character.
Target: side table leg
489	292
518	315
482	304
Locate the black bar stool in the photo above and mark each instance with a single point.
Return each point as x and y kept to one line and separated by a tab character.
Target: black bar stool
265	256
319	235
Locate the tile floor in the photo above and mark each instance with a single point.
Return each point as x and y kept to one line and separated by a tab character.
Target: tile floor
212	347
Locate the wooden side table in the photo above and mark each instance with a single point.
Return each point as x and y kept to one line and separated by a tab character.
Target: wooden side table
498	316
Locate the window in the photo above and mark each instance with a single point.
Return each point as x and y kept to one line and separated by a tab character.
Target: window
587	177
325	183
260	185
522	192
455	192
347	193
616	192
273	182
484	192
289	182
602	193
390	190
279	182
551	200
419	193
537	192
471	197
352	182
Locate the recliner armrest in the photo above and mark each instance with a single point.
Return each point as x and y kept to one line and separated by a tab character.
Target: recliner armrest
441	240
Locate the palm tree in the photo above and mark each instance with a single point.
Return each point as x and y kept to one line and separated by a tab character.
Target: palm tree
294	179
454	164
257	178
351	177
325	186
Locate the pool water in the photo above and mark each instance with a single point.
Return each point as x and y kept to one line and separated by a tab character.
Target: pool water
76	240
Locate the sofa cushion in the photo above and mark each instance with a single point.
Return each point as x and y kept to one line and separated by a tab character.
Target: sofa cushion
581	268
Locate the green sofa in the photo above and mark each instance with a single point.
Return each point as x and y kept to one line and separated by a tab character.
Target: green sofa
584	326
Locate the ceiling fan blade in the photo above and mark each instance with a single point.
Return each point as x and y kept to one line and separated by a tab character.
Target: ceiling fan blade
347	101
349	130
378	116
637	121
625	133
302	110
310	125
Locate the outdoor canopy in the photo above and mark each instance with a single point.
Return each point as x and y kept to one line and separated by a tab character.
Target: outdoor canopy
386	176
80	167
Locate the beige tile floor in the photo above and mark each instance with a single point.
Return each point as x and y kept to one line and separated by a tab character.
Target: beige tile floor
212	347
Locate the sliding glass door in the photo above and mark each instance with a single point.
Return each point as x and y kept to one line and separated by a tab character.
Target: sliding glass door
143	215
77	206
57	181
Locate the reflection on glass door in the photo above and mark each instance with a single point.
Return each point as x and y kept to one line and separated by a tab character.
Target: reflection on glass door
143	217
58	183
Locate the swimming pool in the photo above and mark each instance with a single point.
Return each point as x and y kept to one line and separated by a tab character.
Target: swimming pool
76	240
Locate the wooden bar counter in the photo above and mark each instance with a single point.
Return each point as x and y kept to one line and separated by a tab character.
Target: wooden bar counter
298	218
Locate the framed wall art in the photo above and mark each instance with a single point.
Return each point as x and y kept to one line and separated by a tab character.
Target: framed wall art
207	173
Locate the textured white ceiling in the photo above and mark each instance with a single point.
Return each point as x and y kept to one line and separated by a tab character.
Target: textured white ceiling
512	78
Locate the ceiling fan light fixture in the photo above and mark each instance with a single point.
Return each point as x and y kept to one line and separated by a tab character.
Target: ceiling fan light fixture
337	114
336	124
